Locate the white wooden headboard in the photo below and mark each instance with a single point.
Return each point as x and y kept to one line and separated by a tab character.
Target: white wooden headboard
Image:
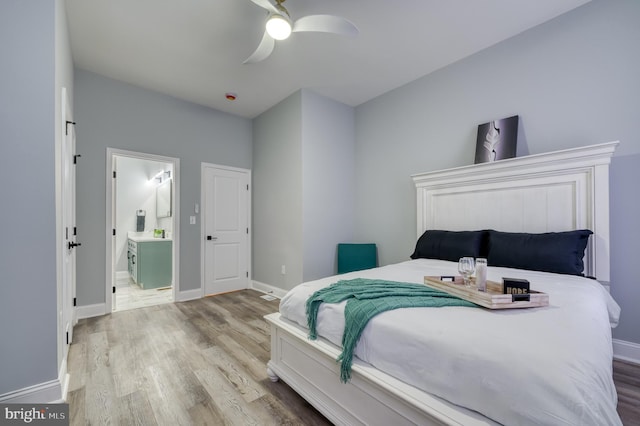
558	191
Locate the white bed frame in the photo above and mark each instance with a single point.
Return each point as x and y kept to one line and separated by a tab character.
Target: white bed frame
558	191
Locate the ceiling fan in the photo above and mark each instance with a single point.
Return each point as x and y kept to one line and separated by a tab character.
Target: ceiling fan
279	27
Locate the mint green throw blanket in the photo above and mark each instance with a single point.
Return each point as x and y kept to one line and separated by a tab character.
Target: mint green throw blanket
367	298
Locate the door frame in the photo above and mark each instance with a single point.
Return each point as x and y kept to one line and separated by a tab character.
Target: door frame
110	275
203	213
65	284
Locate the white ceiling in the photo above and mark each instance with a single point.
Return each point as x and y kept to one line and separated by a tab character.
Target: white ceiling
193	49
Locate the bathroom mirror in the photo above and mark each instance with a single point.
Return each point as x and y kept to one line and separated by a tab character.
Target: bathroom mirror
163	199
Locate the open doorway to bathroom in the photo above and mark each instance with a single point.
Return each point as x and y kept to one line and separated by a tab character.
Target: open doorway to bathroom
142	211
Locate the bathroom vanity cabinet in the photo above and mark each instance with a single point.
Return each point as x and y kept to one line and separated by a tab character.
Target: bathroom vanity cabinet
149	262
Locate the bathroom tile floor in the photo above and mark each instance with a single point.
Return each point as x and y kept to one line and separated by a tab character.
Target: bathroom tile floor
130	295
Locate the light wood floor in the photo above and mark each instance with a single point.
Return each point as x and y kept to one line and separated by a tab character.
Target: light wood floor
627	379
203	362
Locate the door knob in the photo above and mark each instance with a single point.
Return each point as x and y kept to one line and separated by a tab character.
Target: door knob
209	238
72	244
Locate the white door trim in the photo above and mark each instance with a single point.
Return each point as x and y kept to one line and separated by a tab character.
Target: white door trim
65	282
204	166
110	222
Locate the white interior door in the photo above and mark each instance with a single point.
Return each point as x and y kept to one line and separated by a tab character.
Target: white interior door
68	222
225	222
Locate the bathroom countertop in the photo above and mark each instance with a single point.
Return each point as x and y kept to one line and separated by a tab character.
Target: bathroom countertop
141	237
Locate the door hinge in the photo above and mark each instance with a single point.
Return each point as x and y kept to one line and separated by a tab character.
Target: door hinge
67	337
114	174
114	232
247	274
75	230
113	289
75	301
247	187
75	158
66	232
247	230
66	128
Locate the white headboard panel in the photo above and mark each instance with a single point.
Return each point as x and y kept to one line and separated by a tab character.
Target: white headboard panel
551	192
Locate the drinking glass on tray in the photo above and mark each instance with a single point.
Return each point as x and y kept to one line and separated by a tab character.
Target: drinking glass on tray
466	267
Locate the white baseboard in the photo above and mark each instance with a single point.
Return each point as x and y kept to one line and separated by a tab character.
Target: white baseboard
90	311
269	289
626	351
63	379
183	296
43	393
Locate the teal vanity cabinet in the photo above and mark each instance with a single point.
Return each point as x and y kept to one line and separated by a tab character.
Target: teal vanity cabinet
150	262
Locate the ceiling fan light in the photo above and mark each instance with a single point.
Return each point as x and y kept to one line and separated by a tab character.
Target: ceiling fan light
278	27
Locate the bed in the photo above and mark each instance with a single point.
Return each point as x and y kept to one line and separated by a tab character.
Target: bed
467	366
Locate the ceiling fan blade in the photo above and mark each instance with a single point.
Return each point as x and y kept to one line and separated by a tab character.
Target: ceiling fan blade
326	24
263	51
265	4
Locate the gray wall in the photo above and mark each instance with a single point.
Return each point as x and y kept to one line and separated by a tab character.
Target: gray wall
277	194
328	182
36	63
303	188
573	81
625	229
117	115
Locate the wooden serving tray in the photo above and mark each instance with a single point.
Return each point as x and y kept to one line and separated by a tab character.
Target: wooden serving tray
492	298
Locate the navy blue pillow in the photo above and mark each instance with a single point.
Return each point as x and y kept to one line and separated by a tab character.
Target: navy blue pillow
559	252
449	245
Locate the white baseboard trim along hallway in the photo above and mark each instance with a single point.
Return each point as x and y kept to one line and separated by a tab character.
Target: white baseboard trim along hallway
183	296
268	289
47	392
89	311
626	351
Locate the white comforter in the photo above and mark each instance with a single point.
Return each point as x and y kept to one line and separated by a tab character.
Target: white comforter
550	365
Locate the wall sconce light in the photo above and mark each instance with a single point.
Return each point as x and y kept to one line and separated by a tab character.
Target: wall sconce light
160	177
